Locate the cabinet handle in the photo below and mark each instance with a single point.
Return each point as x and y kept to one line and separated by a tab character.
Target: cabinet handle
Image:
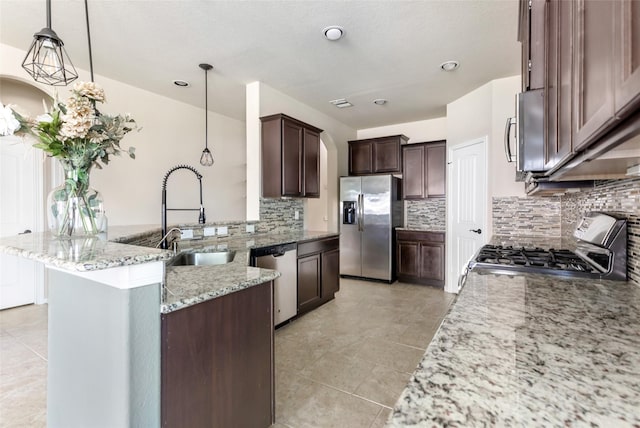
507	134
478	231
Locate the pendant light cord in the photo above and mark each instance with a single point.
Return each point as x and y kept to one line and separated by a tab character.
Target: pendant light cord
86	13
206	110
49	14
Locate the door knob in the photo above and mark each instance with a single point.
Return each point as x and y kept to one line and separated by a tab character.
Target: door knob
25	232
478	231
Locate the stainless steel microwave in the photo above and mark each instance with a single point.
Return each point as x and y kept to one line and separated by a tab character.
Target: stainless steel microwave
529	137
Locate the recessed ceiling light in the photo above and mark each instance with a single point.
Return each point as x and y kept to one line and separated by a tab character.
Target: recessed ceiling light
181	83
341	103
449	65
380	101
333	32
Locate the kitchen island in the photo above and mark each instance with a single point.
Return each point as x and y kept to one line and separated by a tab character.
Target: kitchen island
105	304
530	350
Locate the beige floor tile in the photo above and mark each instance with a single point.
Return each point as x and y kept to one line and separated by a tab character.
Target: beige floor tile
368	340
395	356
383	386
382	418
339	371
319	406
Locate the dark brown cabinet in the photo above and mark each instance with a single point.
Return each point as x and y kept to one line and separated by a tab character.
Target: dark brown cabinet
421	257
318	272
531	33
376	155
217	362
290	157
593	70
424	170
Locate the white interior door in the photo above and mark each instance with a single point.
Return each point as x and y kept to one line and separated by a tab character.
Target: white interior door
20	210
466	202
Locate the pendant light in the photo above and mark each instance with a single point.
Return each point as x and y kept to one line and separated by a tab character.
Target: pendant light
207	158
47	60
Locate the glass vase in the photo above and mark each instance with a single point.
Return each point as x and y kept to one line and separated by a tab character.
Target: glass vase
75	208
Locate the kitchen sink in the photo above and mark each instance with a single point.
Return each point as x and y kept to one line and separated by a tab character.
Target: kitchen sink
203	259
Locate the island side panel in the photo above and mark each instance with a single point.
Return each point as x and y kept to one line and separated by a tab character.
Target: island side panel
104	354
217	362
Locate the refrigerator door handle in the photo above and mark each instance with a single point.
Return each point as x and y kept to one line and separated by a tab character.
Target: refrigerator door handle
361	212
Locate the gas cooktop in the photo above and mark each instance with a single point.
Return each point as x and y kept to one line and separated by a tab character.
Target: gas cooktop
601	253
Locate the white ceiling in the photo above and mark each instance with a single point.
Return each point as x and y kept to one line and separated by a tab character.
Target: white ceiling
392	49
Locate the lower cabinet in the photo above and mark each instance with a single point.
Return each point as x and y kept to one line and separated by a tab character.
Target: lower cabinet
217	362
318	272
420	257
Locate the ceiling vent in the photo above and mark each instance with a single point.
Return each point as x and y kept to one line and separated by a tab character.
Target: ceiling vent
341	103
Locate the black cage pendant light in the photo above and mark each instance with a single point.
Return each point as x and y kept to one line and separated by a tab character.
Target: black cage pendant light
47	60
207	158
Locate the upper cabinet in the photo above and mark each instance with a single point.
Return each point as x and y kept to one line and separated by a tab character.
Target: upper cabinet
424	170
531	33
590	59
376	155
290	157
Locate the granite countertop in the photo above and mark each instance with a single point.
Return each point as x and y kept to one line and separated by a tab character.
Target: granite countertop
530	350
82	254
189	285
425	228
184	285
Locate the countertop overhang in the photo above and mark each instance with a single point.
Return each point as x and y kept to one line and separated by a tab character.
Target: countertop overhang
530	350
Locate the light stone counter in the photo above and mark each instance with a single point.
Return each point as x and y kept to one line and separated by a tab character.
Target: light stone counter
82	254
190	285
530	350
424	228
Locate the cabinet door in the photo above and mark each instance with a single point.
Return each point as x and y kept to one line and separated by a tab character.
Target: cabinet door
436	170
563	146
593	88
311	170
408	258
387	156
537	58
627	55
360	158
291	159
330	273
413	171
309	291
432	261
217	362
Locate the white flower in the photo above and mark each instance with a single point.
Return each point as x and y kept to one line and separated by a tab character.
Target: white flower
44	118
8	122
90	90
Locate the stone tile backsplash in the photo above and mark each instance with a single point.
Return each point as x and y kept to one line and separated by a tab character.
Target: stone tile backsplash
614	196
527	216
278	215
557	216
426	214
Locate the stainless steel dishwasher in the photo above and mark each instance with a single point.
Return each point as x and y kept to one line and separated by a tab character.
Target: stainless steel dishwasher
282	258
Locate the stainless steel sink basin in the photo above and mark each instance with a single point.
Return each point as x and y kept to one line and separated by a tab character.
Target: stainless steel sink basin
203	259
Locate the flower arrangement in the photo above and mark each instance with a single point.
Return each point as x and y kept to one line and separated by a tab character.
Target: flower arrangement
80	137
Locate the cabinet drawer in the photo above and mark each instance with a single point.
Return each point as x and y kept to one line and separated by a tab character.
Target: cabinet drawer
422	236
317	246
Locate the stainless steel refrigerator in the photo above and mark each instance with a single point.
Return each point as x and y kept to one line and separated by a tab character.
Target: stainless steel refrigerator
370	207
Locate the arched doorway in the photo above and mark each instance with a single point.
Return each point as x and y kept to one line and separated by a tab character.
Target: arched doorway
22	191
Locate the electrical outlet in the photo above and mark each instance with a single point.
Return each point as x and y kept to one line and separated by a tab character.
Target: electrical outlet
186	234
224	230
209	231
297	215
251	228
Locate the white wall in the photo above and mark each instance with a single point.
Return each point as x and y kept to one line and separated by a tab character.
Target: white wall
419	131
172	133
334	136
483	112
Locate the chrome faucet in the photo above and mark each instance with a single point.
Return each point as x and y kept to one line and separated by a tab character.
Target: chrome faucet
174	243
201	218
